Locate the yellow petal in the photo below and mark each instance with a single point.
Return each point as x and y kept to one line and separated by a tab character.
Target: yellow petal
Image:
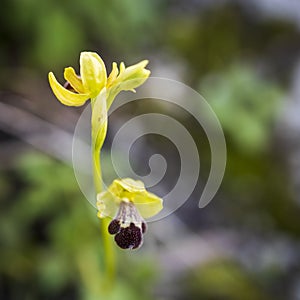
148	204
126	188
122	67
137	70
130	185
106	205
74	80
113	74
65	96
93	72
127	80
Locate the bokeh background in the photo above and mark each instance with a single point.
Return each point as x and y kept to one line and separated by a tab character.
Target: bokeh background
243	57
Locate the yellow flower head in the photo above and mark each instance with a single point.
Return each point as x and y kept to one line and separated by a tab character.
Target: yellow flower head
126	199
93	78
129	202
88	85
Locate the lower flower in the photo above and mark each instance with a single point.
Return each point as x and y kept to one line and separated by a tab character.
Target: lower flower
130	203
128	226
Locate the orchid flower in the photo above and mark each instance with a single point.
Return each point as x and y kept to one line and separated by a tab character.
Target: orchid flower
126	200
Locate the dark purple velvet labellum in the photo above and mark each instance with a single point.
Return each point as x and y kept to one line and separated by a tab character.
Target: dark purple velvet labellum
129	237
128	227
114	226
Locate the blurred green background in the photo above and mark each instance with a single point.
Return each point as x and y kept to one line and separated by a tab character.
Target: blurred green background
243	57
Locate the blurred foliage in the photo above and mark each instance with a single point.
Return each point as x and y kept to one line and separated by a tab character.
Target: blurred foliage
220	280
259	185
214	38
256	179
50	240
245	104
47	33
49	235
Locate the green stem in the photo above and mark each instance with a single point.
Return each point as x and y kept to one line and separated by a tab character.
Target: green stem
109	256
97	169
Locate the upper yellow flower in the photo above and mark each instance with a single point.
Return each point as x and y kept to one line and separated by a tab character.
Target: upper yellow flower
93	78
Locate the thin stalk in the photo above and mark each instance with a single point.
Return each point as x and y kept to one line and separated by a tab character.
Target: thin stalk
109	254
97	169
